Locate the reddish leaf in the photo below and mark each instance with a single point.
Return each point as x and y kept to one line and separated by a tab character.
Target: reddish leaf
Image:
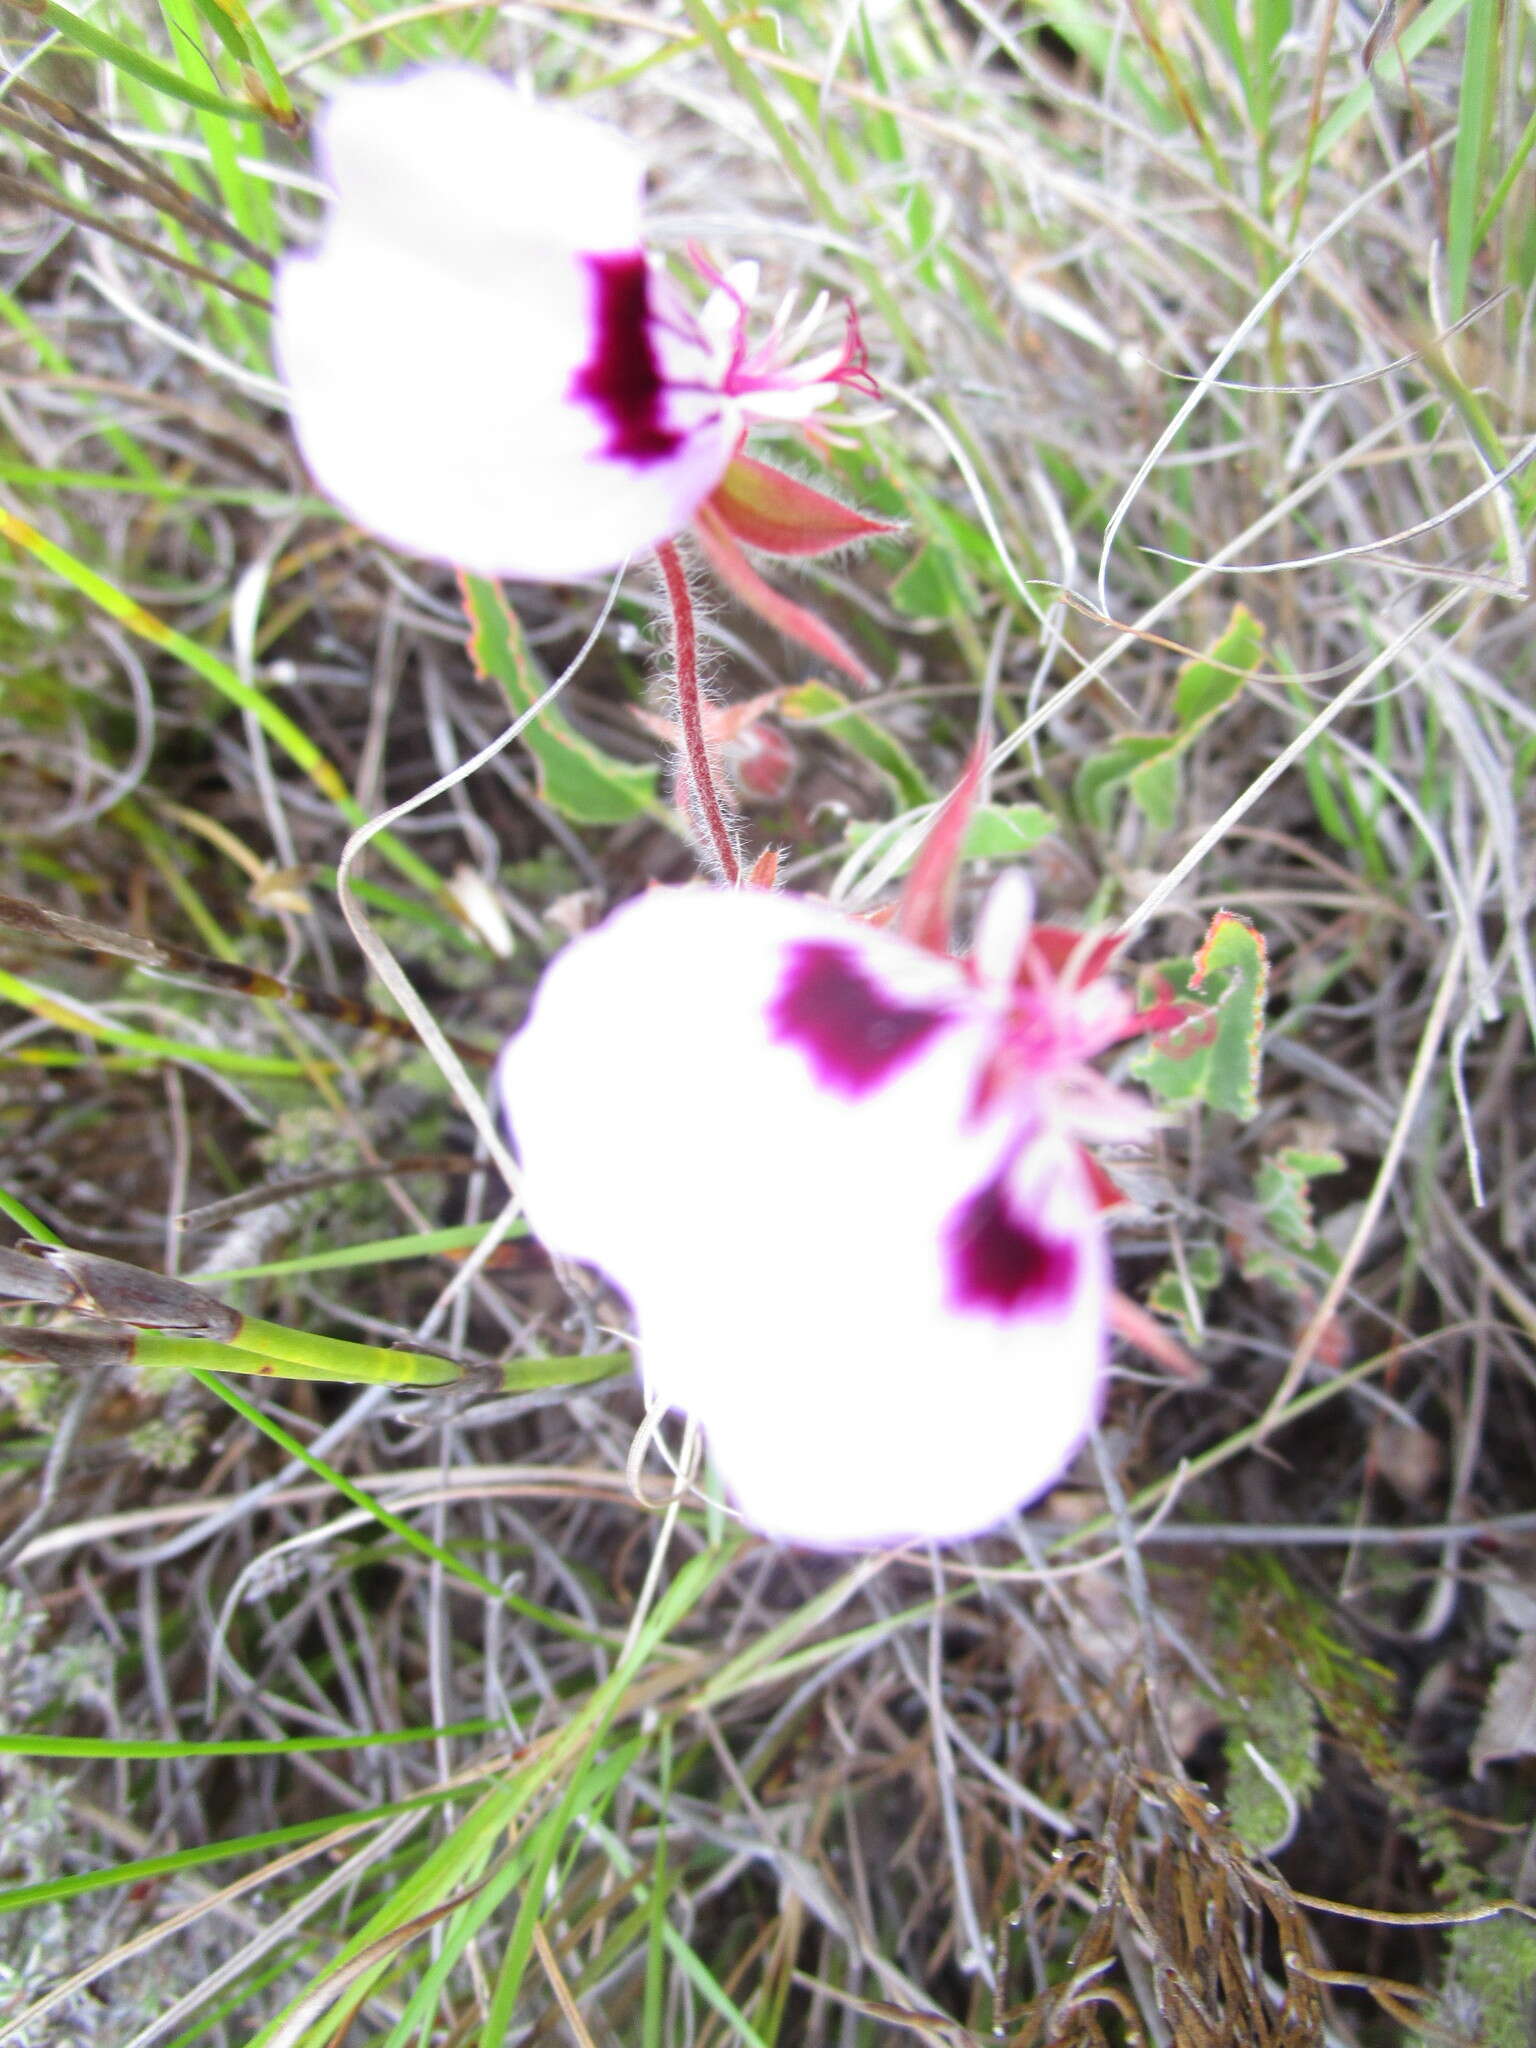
1212	1052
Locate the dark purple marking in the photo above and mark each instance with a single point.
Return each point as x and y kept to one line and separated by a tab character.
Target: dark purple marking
854	1035
622	379
1001	1264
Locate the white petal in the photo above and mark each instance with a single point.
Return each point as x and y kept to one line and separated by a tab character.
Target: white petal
820	1247
1003	928
451	153
431	343
787	401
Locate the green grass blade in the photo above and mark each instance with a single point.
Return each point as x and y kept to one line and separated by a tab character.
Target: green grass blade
1414	36
437	1553
24	1219
149	1869
1474	125
276	723
147	1044
418	1244
1506	184
128	1749
139	64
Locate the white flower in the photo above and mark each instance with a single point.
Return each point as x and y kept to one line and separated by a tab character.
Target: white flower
838	1178
484	364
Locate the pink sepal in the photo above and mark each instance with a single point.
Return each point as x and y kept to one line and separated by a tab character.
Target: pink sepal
1056	953
1128	1319
765	765
928	897
782	613
1106	1190
758	757
1066	954
778	514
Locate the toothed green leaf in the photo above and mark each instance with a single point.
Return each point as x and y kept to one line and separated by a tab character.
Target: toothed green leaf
1214	1056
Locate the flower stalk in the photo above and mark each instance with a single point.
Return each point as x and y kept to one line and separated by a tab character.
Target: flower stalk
702	795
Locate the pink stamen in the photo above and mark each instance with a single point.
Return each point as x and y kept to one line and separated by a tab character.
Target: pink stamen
769	366
853	371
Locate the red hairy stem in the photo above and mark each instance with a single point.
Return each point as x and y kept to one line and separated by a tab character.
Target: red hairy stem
690	712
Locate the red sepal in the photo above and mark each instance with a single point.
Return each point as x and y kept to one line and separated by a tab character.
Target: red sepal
764	872
782	613
1058	949
1106	1190
928	897
1128	1319
779	515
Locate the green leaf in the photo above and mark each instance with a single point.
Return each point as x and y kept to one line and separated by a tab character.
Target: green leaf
926	588
1185	1304
830	709
1147	765
1099	777
1004	831
1214	1056
576	777
996	832
1209	685
1283	1185
1155	787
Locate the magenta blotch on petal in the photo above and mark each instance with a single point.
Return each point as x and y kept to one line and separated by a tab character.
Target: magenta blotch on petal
852	1034
1002	1263
622	380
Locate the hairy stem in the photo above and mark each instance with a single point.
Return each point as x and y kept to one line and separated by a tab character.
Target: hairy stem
690	714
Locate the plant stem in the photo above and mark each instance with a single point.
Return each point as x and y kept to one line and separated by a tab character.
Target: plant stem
690	714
